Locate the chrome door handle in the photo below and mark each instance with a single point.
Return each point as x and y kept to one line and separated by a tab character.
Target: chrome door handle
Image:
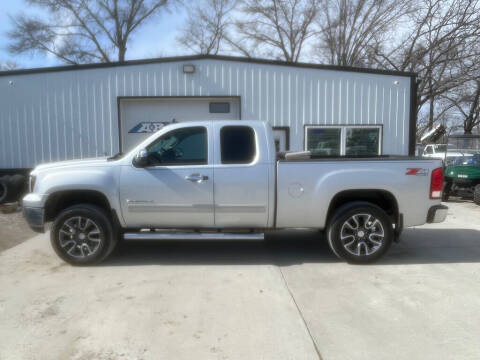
196	178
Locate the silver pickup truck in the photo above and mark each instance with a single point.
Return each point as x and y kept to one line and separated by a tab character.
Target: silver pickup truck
223	179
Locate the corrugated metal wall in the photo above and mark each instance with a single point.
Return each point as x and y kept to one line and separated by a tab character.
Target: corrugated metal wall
73	114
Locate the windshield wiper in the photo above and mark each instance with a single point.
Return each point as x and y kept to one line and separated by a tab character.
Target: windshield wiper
116	156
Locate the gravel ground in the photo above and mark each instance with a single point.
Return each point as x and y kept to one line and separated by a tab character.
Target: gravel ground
13	228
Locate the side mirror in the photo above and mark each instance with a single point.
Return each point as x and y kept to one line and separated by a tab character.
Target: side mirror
141	159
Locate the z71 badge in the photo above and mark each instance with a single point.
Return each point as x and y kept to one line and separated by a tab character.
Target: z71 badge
148	127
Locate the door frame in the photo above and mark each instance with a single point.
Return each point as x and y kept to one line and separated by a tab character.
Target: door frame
120	98
285	129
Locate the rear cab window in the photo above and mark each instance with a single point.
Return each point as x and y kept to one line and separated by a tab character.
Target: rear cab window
237	144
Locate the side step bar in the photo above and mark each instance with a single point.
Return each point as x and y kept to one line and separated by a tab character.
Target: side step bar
151	235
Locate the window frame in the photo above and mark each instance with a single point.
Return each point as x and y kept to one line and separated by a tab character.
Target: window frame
255	152
343	135
206	162
286	130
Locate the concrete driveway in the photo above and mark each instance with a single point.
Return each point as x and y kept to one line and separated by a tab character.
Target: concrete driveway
286	298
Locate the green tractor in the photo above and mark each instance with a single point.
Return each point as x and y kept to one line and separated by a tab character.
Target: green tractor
462	167
462	178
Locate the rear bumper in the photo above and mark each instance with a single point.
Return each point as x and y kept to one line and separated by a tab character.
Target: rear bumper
437	214
35	218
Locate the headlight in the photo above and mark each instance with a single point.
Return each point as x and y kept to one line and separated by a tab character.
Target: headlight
31	183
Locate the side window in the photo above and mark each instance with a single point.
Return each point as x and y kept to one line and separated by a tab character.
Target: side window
362	141
343	140
185	146
429	150
324	141
238	144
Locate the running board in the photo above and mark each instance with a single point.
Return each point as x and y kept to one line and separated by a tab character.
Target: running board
151	235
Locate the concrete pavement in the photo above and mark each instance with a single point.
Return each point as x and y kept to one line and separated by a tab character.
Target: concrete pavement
286	298
421	301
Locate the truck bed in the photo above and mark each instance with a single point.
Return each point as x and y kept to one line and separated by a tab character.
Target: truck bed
305	187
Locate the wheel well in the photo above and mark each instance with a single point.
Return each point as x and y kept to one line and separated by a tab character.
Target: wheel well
383	199
59	201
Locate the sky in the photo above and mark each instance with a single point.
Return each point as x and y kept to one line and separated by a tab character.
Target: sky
155	39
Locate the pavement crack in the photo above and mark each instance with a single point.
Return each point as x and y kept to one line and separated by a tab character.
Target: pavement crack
301	314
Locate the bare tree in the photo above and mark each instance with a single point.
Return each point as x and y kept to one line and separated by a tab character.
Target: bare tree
352	30
466	100
79	31
8	65
439	48
280	28
206	28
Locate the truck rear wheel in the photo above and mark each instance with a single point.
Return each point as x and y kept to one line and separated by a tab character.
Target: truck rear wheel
360	232
476	194
83	235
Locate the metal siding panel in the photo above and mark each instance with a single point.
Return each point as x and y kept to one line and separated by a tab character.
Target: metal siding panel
3	136
73	114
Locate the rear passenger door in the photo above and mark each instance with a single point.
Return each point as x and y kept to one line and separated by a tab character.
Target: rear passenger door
241	178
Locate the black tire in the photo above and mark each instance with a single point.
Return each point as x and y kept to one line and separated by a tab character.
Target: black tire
12	188
369	241
446	191
476	194
18	181
90	242
4	190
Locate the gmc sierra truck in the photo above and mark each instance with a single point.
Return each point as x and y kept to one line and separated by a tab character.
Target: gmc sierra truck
224	180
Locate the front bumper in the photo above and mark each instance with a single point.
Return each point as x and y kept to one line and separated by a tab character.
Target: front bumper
35	218
437	214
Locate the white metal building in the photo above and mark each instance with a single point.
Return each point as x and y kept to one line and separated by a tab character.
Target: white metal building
95	110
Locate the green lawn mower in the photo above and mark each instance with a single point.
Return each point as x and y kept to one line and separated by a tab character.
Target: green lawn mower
462	178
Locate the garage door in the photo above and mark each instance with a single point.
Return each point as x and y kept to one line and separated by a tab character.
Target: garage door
139	118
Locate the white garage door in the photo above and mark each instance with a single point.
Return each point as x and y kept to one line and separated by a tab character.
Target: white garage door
139	118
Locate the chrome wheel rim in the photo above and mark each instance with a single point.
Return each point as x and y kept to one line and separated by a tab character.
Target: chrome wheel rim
362	234
80	237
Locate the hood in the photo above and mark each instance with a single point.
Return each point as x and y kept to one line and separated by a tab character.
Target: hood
70	163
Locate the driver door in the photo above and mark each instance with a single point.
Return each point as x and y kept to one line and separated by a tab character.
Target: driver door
175	189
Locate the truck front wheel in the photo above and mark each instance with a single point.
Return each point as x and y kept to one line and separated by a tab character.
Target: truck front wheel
82	235
360	232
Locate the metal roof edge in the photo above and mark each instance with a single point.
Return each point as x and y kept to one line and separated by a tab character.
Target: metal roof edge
202	57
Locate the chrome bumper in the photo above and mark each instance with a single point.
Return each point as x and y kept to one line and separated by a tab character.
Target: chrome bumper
437	214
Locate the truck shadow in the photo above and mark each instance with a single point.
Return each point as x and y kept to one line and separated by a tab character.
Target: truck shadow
418	246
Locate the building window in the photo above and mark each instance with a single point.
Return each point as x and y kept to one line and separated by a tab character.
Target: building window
362	141
324	141
219	107
349	140
237	144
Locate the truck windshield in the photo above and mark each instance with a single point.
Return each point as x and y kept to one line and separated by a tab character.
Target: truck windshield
440	148
467	160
